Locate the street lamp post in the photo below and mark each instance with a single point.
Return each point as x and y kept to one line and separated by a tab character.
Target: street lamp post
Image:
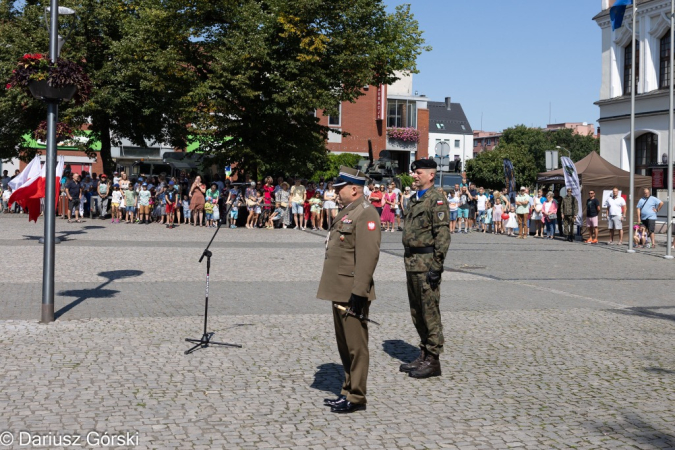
569	154
55	43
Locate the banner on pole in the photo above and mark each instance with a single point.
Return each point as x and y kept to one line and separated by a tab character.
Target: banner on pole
572	182
510	179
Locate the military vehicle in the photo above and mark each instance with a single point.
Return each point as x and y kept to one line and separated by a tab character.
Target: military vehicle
382	170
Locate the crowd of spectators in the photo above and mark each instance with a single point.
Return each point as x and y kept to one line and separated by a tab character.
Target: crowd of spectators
301	204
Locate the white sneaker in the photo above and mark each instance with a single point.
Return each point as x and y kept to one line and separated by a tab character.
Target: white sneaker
303	228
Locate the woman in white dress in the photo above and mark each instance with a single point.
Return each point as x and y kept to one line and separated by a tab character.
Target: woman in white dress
536	215
329	205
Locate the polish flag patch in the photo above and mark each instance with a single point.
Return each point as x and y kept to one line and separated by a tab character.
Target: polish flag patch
371	226
439	202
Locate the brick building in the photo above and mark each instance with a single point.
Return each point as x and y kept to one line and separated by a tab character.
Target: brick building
485	140
368	118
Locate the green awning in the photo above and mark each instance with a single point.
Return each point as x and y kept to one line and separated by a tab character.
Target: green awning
30	142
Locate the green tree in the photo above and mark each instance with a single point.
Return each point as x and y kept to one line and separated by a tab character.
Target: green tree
536	141
487	168
139	55
272	64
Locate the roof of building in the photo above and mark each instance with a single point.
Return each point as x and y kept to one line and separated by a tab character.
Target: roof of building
448	122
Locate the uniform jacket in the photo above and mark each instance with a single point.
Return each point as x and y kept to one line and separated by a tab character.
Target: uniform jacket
352	252
569	206
427	223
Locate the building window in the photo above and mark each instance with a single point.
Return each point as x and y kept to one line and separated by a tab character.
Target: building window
664	62
456	143
402	114
475	143
335	120
440	126
488	142
646	153
627	72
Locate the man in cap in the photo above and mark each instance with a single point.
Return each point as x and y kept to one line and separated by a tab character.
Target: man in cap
426	238
352	252
523	212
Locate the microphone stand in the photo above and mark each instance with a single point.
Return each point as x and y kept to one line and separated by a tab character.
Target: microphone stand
205	340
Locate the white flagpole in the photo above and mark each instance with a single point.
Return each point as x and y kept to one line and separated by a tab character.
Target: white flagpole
631	193
670	136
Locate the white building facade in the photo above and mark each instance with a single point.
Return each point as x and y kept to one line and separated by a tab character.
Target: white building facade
653	65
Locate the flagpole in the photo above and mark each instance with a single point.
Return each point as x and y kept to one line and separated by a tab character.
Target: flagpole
50	181
631	193
669	215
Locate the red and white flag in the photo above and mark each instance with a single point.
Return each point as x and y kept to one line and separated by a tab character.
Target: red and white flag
29	186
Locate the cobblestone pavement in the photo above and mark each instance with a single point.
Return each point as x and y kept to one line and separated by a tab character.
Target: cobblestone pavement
548	344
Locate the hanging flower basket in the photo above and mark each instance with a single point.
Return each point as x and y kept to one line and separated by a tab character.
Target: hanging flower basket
404	134
43	91
62	80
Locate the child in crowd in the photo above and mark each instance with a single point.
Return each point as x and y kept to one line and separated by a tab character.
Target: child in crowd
233	199
115	205
453	202
276	215
208	212
512	222
172	200
315	208
5	200
130	200
487	226
187	215
144	204
497	217
640	237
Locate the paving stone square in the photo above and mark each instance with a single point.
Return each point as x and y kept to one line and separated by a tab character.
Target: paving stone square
548	344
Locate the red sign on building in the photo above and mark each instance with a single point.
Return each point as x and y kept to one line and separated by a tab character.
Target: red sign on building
380	103
657	178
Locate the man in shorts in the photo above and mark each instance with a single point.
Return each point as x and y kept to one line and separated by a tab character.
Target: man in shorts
616	213
463	209
592	212
647	209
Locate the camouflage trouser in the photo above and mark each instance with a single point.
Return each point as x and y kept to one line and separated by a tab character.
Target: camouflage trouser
568	225
425	312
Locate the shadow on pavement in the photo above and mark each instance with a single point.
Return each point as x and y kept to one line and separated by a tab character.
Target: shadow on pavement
329	378
97	292
659	370
400	350
63	235
643	434
647	311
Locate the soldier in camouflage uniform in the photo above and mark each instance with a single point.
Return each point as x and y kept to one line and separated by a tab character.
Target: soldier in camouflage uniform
569	210
426	239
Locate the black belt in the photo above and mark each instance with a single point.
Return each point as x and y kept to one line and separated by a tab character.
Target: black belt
418	250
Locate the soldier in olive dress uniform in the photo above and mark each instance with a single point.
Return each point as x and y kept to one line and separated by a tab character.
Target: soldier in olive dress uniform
426	238
352	252
569	210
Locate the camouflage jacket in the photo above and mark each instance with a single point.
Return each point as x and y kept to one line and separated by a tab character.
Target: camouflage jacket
427	225
569	206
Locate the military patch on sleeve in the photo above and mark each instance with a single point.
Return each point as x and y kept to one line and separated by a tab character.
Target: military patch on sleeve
371	226
439	202
441	215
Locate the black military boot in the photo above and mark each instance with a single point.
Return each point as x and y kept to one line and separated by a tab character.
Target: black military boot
409	367
430	367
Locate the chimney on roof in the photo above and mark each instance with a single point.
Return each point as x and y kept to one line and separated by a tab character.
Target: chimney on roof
448	105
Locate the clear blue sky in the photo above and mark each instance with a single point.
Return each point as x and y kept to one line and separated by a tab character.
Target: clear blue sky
509	59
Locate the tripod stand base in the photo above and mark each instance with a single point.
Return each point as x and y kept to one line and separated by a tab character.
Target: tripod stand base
205	341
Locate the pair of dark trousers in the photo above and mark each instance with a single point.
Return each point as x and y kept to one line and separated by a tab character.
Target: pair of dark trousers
351	335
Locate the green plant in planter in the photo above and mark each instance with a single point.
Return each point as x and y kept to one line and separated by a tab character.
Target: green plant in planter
38	68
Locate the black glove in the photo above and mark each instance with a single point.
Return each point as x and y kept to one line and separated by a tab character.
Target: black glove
434	278
357	304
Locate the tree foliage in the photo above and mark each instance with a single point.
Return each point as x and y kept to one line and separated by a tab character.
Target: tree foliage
487	168
537	141
333	164
244	77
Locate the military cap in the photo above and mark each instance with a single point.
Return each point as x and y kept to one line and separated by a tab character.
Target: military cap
348	175
423	164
